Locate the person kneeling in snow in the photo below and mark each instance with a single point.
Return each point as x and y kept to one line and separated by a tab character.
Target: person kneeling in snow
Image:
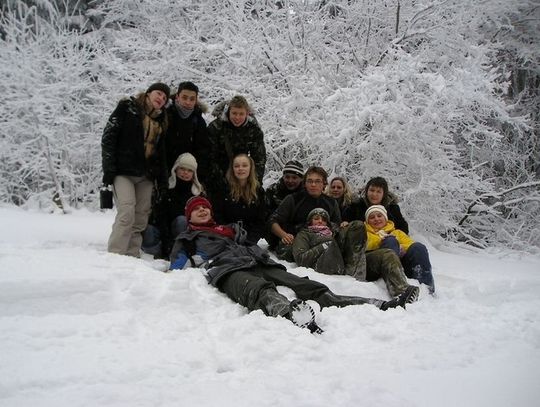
247	274
413	255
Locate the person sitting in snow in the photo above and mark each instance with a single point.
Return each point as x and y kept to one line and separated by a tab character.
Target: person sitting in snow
243	199
376	192
290	217
247	274
315	246
289	183
381	233
320	244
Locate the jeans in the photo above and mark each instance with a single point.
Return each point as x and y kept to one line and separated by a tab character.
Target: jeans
152	239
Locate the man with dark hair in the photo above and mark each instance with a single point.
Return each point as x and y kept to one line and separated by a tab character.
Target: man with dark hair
187	129
289	218
247	274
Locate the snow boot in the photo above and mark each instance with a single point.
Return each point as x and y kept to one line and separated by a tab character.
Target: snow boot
410	295
398	301
302	315
273	303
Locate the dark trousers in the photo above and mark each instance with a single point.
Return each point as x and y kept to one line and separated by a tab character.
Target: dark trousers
245	287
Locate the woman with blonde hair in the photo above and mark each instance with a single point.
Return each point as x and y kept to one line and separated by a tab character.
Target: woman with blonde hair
243	199
339	189
235	130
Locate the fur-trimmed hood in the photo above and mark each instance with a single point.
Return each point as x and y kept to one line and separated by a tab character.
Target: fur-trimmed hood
222	109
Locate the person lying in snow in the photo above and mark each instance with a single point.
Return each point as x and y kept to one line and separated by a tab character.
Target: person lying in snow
414	256
247	274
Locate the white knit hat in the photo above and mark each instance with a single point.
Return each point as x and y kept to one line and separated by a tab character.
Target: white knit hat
188	162
376	208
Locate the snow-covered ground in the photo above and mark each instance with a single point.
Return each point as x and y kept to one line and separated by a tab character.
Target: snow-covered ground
81	327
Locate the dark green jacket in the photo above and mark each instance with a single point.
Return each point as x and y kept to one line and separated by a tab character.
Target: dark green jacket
228	141
320	253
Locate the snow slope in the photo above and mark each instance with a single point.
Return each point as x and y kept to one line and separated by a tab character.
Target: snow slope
82	327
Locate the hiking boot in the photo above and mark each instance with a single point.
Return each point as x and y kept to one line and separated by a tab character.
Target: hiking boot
410	294
302	315
273	303
398	301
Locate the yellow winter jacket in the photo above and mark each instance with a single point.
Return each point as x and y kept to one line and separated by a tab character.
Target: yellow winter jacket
375	237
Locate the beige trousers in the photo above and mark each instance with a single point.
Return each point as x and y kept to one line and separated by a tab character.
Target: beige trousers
133	199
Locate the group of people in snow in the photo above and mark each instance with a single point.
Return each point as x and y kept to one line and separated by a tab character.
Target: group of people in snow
193	194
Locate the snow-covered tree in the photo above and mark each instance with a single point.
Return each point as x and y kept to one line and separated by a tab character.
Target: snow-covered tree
51	90
431	95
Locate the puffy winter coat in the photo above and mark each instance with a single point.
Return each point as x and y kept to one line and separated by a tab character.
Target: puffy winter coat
375	237
221	255
320	253
122	145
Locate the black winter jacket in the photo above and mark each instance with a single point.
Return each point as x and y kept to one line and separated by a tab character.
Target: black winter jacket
291	215
188	135
276	193
122	145
357	211
252	215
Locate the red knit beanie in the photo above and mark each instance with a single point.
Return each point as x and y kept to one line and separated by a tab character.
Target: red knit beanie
196	201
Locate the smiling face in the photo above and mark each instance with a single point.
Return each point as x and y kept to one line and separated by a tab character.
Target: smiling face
375	195
237	115
337	189
376	220
318	220
241	168
187	99
200	215
184	174
157	98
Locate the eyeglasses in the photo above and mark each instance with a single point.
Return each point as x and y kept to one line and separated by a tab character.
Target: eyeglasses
314	181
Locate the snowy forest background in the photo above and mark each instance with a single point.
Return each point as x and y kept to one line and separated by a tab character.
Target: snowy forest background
440	97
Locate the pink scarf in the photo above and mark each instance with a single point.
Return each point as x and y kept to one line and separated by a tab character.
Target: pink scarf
320	230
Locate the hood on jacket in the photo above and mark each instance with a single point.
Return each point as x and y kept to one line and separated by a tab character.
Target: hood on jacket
222	109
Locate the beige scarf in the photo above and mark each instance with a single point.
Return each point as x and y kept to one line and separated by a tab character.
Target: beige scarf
152	129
